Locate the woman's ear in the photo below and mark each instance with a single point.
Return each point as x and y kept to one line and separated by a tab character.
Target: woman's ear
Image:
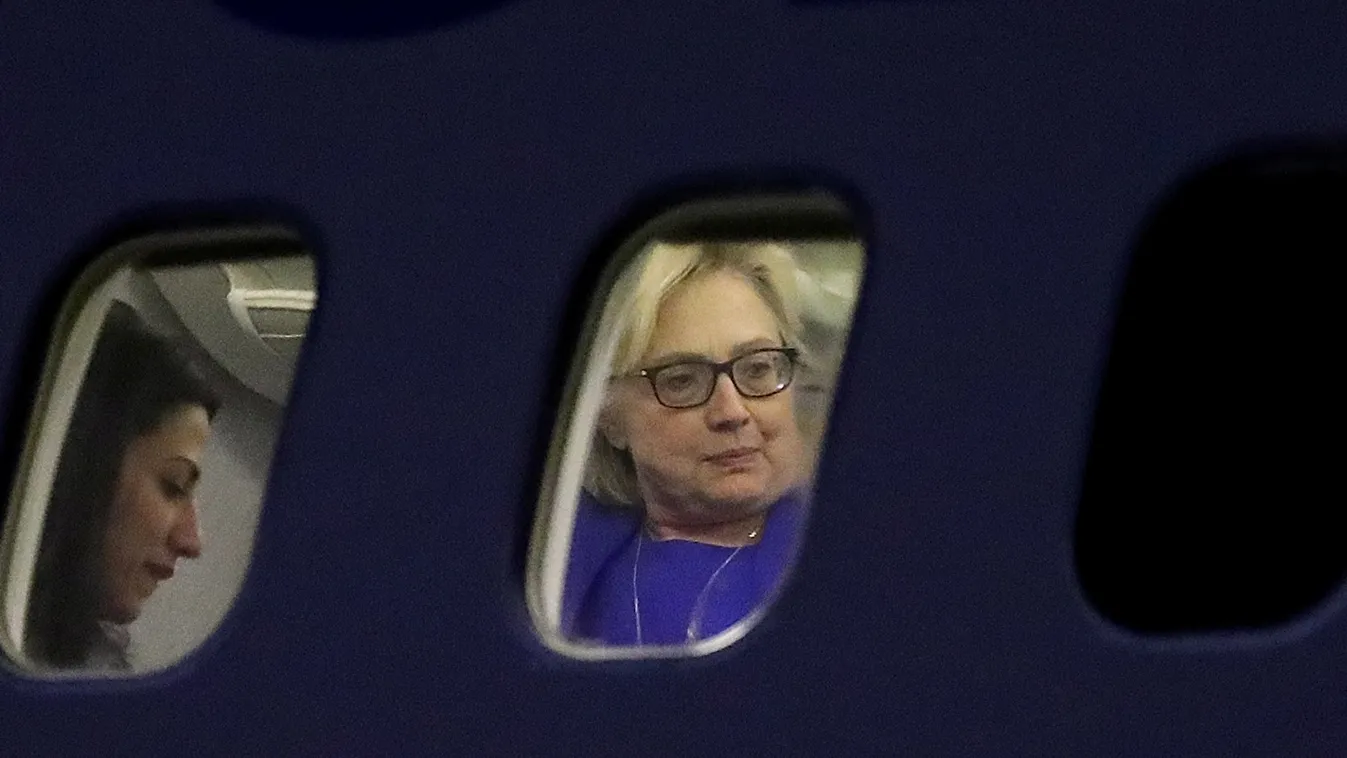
611	427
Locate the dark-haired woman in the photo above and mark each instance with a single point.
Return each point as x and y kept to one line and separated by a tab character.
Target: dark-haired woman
122	511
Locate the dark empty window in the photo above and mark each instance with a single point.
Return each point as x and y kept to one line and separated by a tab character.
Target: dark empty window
1211	494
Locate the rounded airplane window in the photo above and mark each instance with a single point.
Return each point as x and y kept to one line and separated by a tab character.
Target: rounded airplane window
132	517
681	469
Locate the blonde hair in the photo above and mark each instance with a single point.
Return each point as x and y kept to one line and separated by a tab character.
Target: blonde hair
610	475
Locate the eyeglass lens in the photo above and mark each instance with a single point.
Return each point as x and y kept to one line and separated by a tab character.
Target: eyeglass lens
756	374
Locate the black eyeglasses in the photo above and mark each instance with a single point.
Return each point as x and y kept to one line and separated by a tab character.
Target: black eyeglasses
688	384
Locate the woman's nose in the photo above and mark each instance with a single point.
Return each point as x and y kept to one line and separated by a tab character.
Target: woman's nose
726	409
185	539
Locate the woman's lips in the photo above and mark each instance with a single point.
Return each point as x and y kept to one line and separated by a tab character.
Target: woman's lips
736	457
160	571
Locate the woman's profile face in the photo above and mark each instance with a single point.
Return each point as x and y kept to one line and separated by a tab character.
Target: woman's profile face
731	456
153	521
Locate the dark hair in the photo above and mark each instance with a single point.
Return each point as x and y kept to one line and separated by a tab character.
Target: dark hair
135	378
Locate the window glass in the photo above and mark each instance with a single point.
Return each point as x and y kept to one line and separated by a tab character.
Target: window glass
1210	496
132	518
682	471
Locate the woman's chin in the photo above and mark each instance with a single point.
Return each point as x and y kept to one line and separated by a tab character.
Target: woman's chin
744	497
122	612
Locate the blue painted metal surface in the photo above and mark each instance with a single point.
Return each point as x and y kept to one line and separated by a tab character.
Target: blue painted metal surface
456	181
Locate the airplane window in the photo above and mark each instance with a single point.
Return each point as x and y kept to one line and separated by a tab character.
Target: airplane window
131	522
681	473
1210	497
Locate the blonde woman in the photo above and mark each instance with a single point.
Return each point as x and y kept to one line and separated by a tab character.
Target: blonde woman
696	477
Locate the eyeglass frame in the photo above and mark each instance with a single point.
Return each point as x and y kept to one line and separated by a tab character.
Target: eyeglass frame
723	367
